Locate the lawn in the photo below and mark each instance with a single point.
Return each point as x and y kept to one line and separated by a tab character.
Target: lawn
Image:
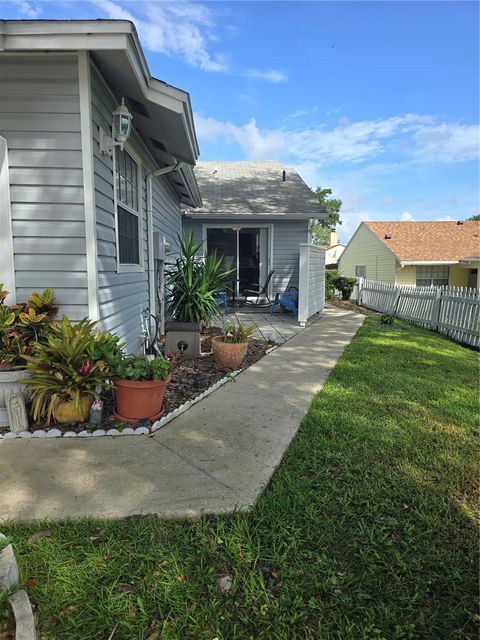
367	530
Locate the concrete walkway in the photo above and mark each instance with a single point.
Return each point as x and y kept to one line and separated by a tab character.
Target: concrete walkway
214	458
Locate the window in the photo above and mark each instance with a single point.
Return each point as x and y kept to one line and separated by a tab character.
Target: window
128	218
360	271
432	276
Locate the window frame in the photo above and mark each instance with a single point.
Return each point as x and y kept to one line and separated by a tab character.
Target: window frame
361	266
125	267
430	268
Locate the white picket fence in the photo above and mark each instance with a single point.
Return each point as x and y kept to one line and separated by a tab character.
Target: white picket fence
454	311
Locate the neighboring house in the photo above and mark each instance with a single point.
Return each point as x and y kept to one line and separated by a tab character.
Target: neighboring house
333	250
74	216
415	253
254	214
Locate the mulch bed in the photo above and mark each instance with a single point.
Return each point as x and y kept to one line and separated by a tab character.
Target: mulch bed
183	387
352	306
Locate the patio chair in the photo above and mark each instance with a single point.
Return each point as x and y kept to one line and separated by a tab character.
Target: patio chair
259	291
287	300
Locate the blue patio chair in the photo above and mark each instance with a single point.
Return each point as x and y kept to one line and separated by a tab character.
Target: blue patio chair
287	300
222	299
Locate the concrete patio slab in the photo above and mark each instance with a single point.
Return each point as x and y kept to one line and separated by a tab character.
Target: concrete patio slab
215	458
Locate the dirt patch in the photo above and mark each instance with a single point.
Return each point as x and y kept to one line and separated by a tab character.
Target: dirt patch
190	377
352	306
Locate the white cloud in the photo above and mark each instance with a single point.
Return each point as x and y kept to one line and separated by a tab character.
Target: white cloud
410	138
445	219
447	142
270	76
185	29
256	144
28	9
406	216
173	28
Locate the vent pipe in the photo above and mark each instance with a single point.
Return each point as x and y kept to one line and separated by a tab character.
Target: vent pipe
284	175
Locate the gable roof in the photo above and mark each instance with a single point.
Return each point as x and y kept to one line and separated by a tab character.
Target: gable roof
252	188
429	241
162	114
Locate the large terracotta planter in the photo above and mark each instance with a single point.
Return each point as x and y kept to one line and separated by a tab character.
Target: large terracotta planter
65	412
139	399
228	354
9	383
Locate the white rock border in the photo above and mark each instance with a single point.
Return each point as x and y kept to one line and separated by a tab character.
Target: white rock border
128	431
19	601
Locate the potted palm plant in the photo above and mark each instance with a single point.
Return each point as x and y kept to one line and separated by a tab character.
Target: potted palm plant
22	327
65	375
230	349
194	285
140	383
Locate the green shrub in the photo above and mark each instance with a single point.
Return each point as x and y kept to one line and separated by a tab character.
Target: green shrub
345	286
387	318
330	276
134	367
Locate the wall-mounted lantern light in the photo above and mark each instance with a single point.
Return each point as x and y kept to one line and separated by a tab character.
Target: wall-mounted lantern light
121	127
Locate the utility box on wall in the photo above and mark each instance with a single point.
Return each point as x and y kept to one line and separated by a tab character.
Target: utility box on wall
183	338
161	248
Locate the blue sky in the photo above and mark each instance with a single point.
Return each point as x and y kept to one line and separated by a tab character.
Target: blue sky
377	100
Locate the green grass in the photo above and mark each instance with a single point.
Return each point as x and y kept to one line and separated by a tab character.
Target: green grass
367	530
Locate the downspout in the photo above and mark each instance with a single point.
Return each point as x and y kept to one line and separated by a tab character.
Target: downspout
151	261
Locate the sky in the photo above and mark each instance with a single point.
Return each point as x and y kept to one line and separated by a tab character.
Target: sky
378	101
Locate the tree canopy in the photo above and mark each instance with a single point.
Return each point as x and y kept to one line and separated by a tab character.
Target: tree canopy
475	218
321	228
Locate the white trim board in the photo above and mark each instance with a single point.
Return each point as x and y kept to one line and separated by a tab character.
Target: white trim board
88	183
7	262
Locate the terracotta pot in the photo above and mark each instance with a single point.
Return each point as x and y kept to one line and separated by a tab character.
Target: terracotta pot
66	412
228	354
139	399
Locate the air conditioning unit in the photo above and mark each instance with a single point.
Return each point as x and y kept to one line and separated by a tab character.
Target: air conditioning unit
161	248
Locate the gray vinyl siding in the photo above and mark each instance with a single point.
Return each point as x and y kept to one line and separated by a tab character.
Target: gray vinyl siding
287	236
40	119
123	296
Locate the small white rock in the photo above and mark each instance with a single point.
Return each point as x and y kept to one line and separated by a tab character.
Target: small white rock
40	433
25	434
70	434
128	431
84	434
10	436
54	433
141	431
98	432
113	432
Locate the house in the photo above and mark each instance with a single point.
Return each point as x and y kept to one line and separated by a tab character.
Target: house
333	250
256	215
79	212
415	253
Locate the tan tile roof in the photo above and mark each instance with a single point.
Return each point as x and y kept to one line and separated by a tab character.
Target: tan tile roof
254	187
429	241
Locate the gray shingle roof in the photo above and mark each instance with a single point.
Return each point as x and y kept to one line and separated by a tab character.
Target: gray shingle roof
253	188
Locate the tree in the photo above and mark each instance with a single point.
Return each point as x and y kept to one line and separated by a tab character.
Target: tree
321	228
475	218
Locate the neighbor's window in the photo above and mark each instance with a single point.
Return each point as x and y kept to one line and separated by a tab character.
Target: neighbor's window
360	271
432	276
128	219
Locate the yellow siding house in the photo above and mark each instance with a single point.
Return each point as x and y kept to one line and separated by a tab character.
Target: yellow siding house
415	253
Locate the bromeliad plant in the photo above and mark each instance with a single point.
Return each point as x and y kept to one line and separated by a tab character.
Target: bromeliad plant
194	283
23	326
238	333
67	367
